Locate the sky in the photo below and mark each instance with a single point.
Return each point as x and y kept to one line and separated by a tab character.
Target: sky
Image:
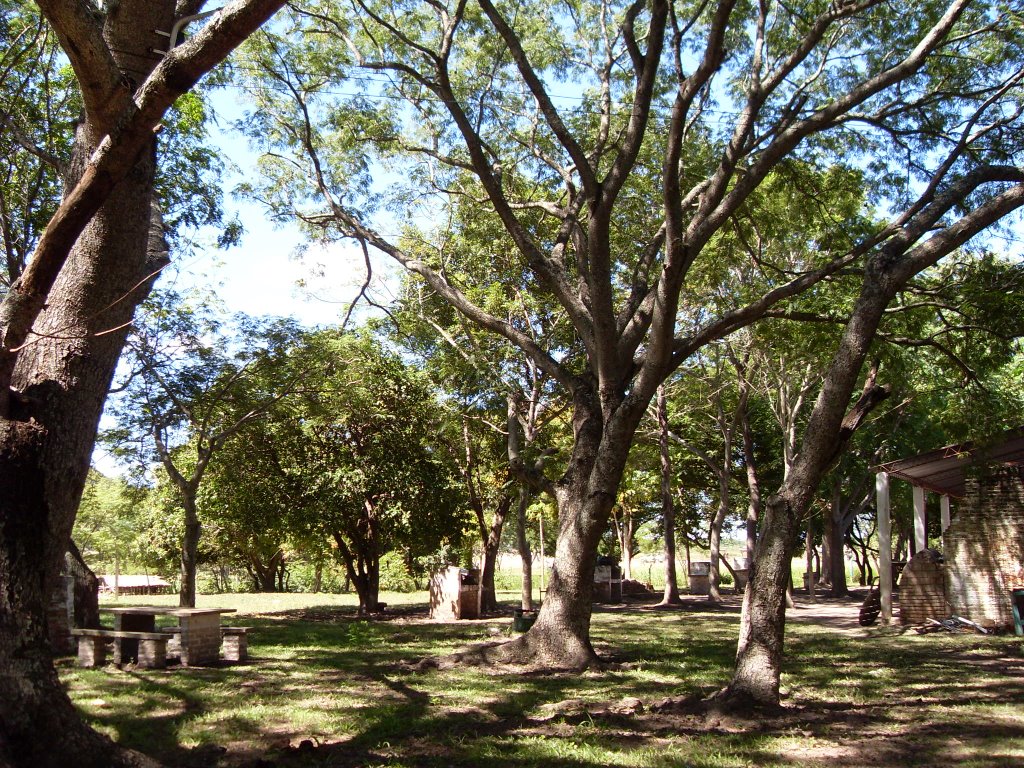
263	274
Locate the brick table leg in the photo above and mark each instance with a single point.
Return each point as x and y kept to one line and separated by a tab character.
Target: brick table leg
200	639
92	651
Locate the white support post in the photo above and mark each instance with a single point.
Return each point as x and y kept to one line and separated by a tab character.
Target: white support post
920	520
884	545
944	511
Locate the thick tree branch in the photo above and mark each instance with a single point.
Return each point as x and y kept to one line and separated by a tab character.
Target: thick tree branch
116	155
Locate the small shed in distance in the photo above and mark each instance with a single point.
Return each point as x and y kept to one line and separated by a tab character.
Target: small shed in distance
128	584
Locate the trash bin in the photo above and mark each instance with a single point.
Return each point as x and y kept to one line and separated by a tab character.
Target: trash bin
522	619
700	578
1017	601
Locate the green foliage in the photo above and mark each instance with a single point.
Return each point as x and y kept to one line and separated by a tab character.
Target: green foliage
123	525
38	99
395	576
359	453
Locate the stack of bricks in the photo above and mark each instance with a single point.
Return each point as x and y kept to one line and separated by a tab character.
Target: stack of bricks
153	653
985	547
922	589
200	639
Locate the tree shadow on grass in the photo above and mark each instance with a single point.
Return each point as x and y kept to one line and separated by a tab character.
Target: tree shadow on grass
885	701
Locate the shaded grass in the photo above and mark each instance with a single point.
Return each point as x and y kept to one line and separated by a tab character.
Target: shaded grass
347	686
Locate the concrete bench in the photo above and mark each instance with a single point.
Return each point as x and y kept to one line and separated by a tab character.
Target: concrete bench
236	643
92	646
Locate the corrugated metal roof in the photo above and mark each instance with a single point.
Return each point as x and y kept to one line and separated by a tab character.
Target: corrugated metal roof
943	470
128	581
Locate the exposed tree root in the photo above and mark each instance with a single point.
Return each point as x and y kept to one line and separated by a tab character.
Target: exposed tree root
523	652
733	703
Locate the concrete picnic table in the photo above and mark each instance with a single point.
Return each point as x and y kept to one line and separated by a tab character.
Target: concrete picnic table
200	630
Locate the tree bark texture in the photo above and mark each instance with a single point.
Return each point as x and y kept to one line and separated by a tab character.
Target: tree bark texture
523	545
762	628
762	625
63	328
585	495
189	553
668	507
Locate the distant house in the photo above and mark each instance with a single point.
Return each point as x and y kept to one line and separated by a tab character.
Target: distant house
129	584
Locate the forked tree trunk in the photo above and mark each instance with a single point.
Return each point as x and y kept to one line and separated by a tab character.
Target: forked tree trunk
64	375
365	577
267	577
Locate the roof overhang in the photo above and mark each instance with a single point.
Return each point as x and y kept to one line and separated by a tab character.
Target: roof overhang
944	470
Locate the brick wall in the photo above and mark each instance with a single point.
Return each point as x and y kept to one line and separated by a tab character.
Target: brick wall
922	589
984	547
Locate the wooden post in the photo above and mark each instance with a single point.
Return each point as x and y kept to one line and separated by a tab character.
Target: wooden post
920	521
944	511
884	545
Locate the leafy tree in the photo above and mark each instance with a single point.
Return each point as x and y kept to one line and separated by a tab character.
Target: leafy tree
355	451
705	102
247	508
106	526
36	96
188	392
510	410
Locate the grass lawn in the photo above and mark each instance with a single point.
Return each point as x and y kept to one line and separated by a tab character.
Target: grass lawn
325	688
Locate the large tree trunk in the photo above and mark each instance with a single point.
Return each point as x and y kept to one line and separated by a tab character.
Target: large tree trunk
561	634
64	375
585	495
829	429
762	626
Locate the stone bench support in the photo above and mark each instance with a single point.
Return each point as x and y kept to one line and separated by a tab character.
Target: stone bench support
236	643
92	646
